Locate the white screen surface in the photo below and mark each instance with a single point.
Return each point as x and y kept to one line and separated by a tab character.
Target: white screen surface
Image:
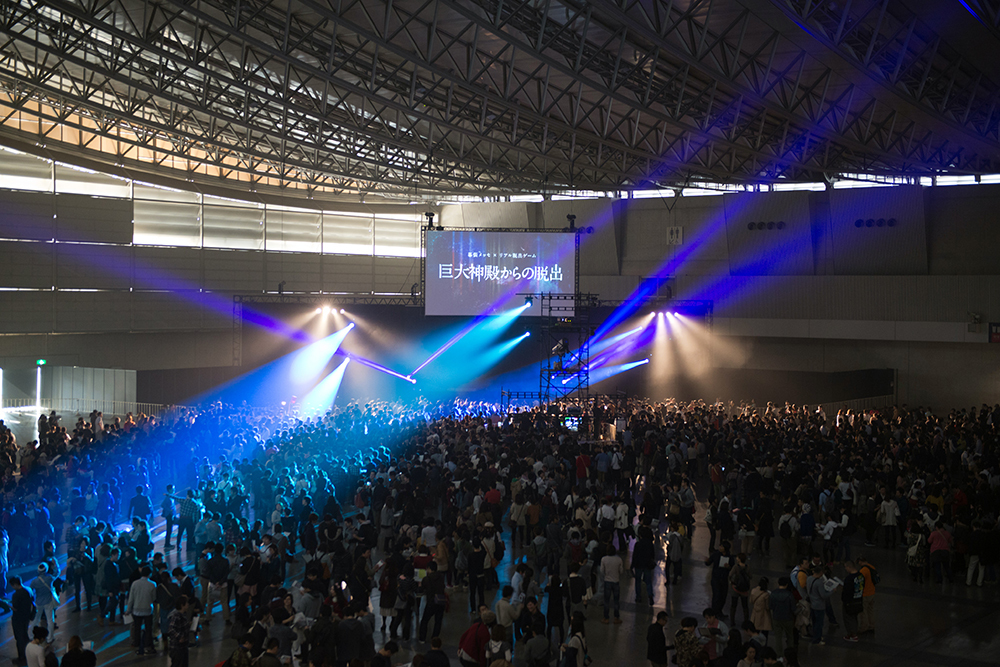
475	273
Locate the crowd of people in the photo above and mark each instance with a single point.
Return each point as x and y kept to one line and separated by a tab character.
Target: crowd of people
336	540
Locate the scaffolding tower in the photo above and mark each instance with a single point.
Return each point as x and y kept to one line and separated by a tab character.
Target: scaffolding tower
566	333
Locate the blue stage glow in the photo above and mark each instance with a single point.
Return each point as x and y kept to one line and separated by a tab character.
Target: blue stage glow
490	327
311	360
599	346
323	395
602	374
647	288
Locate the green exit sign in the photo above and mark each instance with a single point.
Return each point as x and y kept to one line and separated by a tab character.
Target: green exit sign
40	362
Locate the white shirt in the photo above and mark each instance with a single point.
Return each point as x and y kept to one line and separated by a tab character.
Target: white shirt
890	510
35	653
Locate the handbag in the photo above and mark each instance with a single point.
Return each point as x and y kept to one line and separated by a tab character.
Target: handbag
912	551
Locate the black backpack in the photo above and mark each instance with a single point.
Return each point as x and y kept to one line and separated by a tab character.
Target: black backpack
785	530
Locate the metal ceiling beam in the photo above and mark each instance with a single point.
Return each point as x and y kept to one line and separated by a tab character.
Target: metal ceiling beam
888	44
488	96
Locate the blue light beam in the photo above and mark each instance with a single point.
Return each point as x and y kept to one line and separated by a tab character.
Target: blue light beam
321	398
312	359
485	323
602	374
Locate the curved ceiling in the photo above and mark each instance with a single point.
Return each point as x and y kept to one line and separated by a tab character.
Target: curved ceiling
498	97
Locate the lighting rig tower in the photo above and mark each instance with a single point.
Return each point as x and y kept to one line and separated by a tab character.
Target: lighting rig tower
566	334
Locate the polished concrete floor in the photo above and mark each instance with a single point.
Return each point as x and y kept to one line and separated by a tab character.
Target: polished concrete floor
928	624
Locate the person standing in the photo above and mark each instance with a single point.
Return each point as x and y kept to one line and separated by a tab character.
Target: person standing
867	622
940	542
556	615
720	562
818	594
477	595
35	651
45	596
782	604
141	600
760	607
167	511
643	563
178	632
611	571
656	642
674	555
189	514
22	607
851	599
686	642
739	579
108	585
888	517
433	588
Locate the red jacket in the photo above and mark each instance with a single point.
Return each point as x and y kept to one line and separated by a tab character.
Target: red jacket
474	641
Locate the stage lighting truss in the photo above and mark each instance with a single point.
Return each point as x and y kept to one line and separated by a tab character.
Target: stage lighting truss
565	370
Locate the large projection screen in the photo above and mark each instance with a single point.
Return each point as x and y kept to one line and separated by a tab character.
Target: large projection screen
482	273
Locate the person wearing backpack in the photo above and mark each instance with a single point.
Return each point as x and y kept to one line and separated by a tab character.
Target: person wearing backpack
866	623
574	651
788	531
851	599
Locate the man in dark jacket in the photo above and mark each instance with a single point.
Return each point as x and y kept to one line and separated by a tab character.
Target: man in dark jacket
656	642
22	607
323	639
218	575
851	599
782	604
436	657
643	563
433	586
349	633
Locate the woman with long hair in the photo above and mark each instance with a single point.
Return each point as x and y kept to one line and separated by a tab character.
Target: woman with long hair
555	613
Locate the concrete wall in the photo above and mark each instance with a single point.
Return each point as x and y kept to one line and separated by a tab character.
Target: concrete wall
818	293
